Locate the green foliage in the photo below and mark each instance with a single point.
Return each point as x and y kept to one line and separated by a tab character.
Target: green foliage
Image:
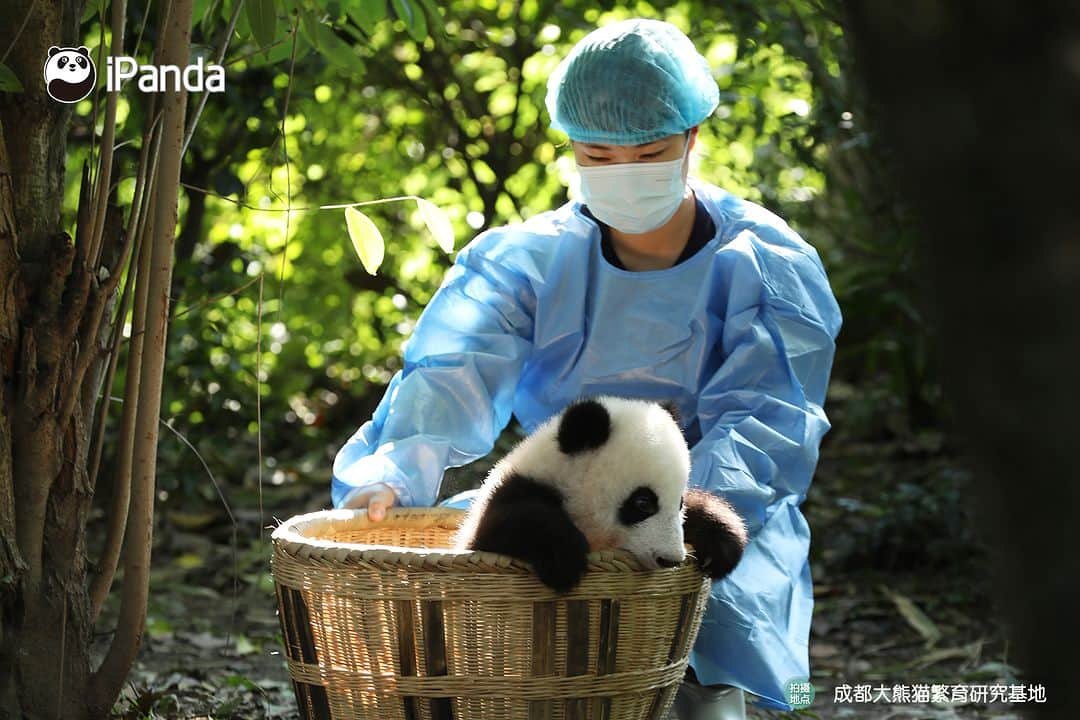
8	81
279	331
262	17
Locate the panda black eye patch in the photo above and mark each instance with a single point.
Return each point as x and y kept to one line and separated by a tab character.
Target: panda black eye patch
640	505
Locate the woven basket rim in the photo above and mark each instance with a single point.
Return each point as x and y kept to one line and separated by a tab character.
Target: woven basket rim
292	538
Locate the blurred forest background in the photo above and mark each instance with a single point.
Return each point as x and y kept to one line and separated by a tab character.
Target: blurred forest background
281	343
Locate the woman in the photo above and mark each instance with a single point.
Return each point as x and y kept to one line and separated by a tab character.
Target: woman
651	286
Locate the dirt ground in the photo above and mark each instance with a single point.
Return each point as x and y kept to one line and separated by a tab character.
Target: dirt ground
219	656
882	617
213	647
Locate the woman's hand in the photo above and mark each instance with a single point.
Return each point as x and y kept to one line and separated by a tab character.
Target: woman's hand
376	499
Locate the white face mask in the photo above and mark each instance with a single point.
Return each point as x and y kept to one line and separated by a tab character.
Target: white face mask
634	197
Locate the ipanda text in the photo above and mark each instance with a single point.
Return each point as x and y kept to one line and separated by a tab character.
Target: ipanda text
198	77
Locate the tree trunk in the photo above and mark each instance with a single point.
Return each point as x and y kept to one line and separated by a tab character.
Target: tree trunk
55	316
44	627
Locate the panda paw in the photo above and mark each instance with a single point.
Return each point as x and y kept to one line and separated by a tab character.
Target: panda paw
715	531
562	568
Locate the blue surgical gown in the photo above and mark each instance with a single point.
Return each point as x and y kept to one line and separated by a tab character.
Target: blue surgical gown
740	335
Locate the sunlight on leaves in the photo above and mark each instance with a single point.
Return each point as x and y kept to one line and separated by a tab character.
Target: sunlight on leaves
438	224
366	238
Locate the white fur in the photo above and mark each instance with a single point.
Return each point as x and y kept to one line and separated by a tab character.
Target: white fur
645	448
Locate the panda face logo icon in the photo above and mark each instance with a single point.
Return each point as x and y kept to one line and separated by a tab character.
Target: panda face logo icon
69	74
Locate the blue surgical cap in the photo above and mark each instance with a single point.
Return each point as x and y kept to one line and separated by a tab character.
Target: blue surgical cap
630	83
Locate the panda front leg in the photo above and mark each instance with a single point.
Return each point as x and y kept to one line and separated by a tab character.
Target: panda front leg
526	520
715	531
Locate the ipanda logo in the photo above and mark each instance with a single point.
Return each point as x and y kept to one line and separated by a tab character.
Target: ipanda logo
70	75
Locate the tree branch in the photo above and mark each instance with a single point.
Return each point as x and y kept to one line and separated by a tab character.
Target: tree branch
118	515
101	192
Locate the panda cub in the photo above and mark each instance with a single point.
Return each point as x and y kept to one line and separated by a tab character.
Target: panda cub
605	473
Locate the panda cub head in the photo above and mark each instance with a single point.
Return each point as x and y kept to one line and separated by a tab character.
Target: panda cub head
605	473
621	466
69	73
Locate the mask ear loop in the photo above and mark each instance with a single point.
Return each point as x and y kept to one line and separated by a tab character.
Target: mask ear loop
686	166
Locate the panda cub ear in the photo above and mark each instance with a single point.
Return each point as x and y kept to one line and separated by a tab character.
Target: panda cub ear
83	50
53	50
586	425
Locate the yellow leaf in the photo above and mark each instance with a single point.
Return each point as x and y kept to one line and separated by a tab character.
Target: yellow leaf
438	224
914	616
191	520
366	238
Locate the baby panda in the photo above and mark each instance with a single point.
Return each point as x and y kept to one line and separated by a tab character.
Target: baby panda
605	473
69	73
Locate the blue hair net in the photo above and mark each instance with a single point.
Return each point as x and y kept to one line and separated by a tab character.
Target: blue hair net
630	83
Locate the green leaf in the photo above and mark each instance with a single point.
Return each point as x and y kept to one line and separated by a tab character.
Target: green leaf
366	13
414	20
437	24
438	224
8	81
200	9
281	53
90	10
309	28
158	628
244	646
262	16
366	238
336	50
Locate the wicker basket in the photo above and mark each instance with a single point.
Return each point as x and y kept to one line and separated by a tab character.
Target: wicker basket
383	620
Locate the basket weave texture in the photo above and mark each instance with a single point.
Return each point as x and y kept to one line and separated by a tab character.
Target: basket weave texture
384	620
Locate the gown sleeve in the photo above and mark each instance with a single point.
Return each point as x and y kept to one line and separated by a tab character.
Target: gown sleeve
455	391
762	420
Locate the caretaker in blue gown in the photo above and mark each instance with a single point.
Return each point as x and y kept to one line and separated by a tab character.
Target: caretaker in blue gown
652	285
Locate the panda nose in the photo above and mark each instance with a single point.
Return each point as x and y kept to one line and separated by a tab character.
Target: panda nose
666	562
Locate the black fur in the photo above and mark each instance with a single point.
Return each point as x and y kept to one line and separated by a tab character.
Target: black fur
715	532
526	519
585	425
640	505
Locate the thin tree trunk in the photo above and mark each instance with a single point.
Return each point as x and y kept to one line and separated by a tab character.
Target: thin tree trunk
110	676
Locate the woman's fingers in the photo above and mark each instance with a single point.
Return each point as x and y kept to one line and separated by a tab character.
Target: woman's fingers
376	509
381	499
377	501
